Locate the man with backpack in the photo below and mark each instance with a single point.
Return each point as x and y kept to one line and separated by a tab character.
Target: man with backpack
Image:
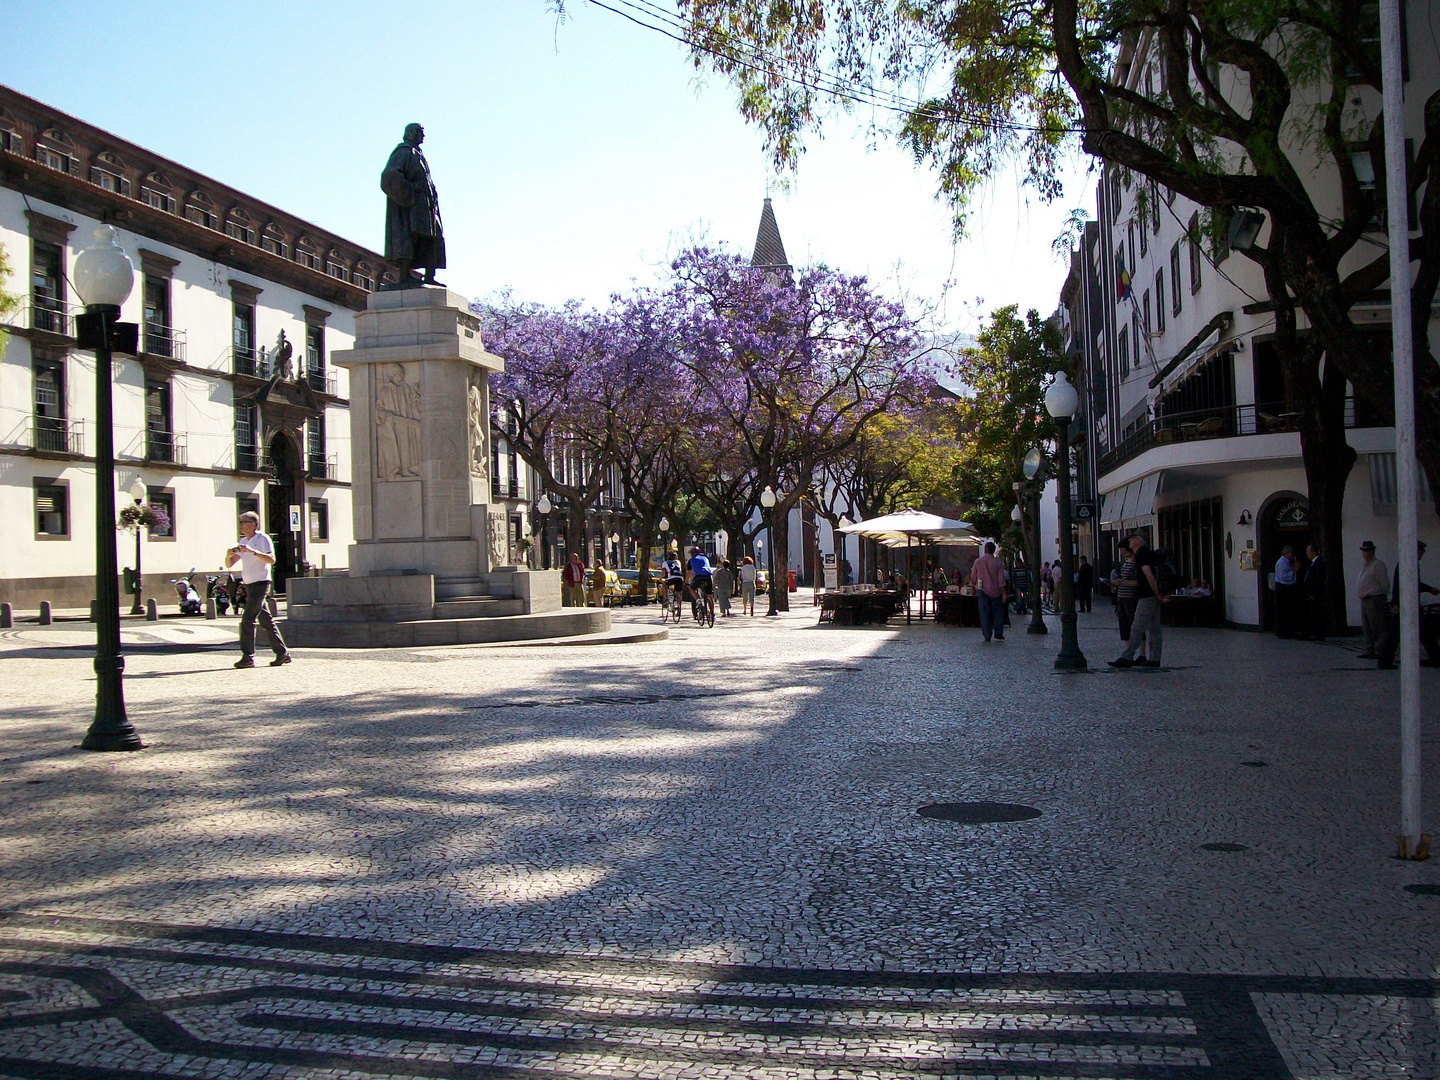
1154	579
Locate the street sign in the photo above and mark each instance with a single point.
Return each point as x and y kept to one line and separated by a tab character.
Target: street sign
294	518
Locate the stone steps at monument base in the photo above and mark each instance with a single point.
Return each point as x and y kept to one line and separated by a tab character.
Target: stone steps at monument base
460	589
322	634
478	607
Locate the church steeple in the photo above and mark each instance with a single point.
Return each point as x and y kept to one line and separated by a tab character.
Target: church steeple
769	251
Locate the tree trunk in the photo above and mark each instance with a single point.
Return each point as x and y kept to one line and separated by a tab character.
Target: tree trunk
780	537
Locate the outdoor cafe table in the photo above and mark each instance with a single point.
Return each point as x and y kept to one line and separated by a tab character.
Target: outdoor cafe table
859	608
957	609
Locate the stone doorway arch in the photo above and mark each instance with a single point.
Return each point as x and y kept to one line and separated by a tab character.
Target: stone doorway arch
284	488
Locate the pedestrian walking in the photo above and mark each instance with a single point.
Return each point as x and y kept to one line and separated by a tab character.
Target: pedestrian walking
724	578
747	586
987	577
1020	579
1084	584
1371	587
1285	593
1125	591
573	577
597	580
256	554
1145	629
1313	588
1388	647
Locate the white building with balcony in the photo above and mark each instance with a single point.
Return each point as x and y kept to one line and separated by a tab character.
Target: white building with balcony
1186	436
231	404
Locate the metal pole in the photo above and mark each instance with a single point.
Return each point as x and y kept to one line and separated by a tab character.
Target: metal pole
111	729
1410	840
1037	616
1070	658
138	608
770	554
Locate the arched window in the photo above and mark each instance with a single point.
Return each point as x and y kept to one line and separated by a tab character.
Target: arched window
335	267
272	239
108	171
201	210
305	253
156	192
54	150
239	227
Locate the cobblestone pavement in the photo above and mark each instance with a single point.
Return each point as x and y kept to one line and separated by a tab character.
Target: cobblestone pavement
702	858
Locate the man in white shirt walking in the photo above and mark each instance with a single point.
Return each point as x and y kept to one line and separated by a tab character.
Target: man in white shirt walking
1373	587
255	554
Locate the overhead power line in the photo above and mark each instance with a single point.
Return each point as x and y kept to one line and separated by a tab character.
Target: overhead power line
641	14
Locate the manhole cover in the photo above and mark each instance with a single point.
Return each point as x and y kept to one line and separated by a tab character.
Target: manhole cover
977	813
1423	890
1256	764
1224	847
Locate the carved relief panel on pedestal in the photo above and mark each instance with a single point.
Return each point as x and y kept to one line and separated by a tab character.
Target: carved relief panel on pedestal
479	424
499	537
397	423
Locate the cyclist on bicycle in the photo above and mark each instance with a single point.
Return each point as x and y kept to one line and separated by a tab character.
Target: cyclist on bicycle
674	576
701	576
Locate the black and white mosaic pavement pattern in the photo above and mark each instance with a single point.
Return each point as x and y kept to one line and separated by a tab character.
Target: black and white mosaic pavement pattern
703	859
110	999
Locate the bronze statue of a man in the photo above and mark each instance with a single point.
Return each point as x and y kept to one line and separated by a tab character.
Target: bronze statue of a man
414	236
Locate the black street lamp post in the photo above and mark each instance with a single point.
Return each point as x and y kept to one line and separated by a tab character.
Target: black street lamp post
103	279
768	500
138	493
1060	402
543	506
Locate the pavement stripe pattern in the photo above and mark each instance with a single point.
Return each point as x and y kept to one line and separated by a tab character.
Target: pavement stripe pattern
111	999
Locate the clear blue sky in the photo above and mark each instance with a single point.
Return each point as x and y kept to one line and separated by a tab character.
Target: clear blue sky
570	159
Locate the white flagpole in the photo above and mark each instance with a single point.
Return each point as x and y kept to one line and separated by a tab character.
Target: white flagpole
1397	203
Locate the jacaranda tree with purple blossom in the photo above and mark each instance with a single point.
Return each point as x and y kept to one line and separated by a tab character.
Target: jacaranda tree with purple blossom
788	370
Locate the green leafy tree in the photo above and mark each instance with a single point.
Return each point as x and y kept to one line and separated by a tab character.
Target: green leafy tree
1003	417
1267	104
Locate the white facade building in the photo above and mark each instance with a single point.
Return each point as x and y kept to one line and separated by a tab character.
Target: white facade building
1184	433
204	415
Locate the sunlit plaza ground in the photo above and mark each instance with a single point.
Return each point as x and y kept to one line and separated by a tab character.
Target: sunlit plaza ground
701	857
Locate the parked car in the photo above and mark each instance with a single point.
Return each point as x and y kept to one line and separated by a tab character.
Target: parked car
629	583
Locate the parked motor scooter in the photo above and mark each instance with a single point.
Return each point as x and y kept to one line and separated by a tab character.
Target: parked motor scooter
188	597
217	587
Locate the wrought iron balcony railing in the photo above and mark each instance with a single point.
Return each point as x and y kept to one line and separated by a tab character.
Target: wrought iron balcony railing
321	381
166	341
321	466
166	446
57	435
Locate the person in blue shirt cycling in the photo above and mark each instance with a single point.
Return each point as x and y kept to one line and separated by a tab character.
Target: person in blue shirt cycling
701	576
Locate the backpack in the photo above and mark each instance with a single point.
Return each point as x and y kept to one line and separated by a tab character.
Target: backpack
1167	577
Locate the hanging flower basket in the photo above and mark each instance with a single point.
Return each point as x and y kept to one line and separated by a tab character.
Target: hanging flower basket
150	517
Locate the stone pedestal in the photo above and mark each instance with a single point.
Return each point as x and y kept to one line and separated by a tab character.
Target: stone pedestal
429	544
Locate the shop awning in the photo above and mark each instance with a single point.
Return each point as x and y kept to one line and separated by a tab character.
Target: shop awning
1135	502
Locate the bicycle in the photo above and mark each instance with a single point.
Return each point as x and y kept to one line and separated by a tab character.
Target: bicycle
702	607
672	606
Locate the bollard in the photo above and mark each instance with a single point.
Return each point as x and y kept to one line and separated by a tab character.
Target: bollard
210	607
7	616
94	610
44	617
152	613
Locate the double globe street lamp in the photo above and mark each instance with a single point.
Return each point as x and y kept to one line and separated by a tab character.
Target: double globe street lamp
544	506
768	501
103	277
138	491
1061	400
